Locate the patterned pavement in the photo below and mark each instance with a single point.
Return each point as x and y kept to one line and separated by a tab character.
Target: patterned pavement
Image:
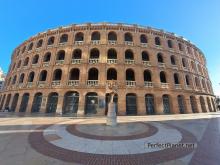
139	140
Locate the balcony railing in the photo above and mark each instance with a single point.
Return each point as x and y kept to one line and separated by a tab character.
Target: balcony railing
112	61
46	64
29	84
164	85
188	87
130	43
34	65
73	83
94	61
148	84
56	83
174	67
147	63
20	85
59	62
92	82
178	86
161	65
95	42
41	84
76	61
129	61
130	83
144	44
79	42
112	42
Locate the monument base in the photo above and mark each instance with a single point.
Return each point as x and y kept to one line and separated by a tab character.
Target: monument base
111	116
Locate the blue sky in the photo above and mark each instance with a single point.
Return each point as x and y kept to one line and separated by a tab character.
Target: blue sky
197	20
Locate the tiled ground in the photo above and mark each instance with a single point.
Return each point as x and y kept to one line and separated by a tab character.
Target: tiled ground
64	140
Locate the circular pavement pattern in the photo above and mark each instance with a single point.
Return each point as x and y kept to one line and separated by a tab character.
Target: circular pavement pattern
88	142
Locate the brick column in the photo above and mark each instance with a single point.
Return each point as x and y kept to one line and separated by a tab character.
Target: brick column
29	105
174	106
158	102
18	103
60	104
43	104
121	102
141	107
188	108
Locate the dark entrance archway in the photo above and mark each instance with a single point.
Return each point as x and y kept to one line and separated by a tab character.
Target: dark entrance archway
52	102
71	102
202	102
193	104
131	104
181	104
91	105
24	102
14	102
37	102
149	103
166	104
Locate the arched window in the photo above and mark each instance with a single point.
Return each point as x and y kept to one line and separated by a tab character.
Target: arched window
160	58
145	56
79	36
129	55
173	60
35	59
193	65
52	101
60	55
93	74
180	46
91	105
51	40
19	64
166	104
23	50
184	62
111	74
24	102
147	76
128	37
197	82
57	75
40	43
95	36
187	79
112	36
163	77
181	104
63	38
43	75
157	41
71	102
74	74
77	54
30	47
112	54
143	39
149	103
31	77
26	61
21	79
130	76
170	43
14	80
37	102
131	104
94	54
176	78
47	57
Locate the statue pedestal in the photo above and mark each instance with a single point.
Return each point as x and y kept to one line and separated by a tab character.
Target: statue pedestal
111	116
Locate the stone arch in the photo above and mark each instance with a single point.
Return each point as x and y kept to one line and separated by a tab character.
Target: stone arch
71	102
36	105
52	102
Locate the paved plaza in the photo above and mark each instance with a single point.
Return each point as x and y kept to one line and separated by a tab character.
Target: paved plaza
184	139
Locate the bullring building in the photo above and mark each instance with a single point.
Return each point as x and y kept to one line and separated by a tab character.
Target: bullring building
65	70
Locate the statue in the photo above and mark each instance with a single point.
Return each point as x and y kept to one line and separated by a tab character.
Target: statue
111	88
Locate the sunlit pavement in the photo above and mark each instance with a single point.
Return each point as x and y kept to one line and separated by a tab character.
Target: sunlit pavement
137	140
